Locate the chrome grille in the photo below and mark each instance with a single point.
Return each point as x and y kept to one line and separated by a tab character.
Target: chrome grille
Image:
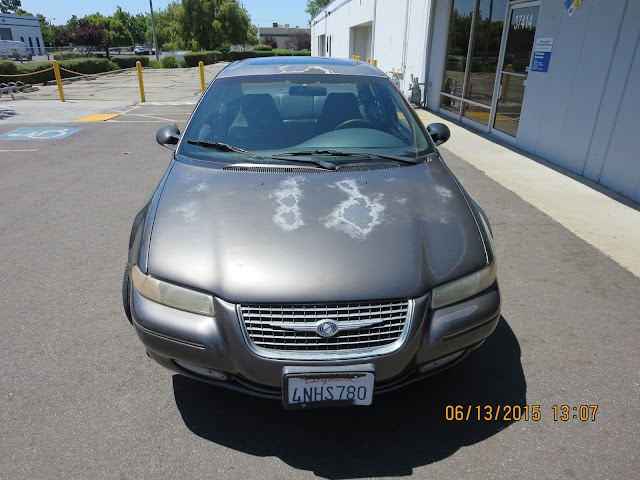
290	328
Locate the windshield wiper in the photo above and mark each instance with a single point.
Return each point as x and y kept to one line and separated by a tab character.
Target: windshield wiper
338	153
385	156
223	147
304	157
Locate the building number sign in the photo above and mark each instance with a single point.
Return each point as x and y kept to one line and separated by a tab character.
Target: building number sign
522	21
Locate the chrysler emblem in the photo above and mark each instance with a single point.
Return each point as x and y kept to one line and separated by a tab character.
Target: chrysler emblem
327	328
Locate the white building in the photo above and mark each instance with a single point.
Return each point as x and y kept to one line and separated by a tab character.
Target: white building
557	78
22	28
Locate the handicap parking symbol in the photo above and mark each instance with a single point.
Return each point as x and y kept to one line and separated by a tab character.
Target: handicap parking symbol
39	133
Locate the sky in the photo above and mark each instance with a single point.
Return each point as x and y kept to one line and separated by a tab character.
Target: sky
263	12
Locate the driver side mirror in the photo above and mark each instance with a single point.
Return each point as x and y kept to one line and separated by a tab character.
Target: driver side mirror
439	132
168	136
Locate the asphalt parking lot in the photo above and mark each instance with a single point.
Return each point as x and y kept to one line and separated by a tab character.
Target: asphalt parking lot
80	399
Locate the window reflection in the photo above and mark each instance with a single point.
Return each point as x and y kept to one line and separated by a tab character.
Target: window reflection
458	45
486	48
482	64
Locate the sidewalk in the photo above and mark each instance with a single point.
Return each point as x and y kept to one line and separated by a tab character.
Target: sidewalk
609	223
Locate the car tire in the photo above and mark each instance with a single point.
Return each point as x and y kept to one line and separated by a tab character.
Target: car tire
125	293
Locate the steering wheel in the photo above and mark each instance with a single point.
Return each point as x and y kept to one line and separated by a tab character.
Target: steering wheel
355	123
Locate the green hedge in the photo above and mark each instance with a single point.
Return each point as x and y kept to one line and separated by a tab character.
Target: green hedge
67	54
262	48
207	57
169	62
85	65
7	67
129	61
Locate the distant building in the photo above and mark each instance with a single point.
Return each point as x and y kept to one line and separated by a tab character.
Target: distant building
281	33
23	28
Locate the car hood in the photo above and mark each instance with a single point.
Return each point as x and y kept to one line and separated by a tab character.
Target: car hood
260	234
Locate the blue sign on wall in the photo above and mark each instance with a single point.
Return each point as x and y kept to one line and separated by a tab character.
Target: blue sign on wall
541	55
39	133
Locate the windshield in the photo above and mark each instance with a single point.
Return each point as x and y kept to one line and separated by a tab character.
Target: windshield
287	116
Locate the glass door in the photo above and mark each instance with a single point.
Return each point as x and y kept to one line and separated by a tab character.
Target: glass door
515	56
475	35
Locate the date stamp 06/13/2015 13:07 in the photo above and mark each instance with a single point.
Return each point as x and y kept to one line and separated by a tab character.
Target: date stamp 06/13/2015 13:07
508	413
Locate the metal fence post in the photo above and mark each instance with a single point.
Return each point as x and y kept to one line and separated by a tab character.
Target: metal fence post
139	68
201	66
56	71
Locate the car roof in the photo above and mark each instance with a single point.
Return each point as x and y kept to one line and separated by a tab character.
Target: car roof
300	65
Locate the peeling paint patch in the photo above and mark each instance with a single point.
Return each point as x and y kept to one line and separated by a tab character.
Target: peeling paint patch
444	193
358	215
188	178
190	211
201	187
299	69
287	196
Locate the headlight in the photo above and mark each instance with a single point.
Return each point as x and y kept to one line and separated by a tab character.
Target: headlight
464	287
172	295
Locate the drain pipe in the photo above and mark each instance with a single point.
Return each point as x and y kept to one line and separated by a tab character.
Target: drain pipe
406	36
431	20
373	32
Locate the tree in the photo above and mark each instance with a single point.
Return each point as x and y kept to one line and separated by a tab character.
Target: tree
168	27
48	30
86	34
271	41
211	24
252	35
136	24
115	33
314	7
9	6
299	40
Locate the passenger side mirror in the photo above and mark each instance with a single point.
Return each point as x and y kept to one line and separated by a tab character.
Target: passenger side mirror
439	132
168	136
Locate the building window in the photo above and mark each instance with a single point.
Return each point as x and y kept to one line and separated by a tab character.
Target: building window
475	33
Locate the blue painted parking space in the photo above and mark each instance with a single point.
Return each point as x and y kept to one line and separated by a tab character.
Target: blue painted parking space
40	133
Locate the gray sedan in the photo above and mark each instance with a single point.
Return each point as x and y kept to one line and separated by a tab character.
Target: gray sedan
307	241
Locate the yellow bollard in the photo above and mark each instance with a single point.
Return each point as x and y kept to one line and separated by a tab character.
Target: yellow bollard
201	66
357	57
506	80
354	57
139	68
56	70
368	60
375	63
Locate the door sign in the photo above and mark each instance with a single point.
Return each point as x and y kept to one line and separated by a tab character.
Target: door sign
541	54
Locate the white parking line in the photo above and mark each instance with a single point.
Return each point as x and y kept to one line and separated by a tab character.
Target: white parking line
151	118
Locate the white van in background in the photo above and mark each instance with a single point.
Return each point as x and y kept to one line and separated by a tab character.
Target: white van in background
8	46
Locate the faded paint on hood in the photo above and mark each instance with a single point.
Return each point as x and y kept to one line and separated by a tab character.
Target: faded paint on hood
251	237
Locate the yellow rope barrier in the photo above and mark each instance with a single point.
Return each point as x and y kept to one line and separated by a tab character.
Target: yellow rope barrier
105	74
27	74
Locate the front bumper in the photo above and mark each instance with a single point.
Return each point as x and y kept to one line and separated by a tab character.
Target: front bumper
215	350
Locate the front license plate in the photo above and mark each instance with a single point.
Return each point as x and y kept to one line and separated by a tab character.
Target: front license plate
328	389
